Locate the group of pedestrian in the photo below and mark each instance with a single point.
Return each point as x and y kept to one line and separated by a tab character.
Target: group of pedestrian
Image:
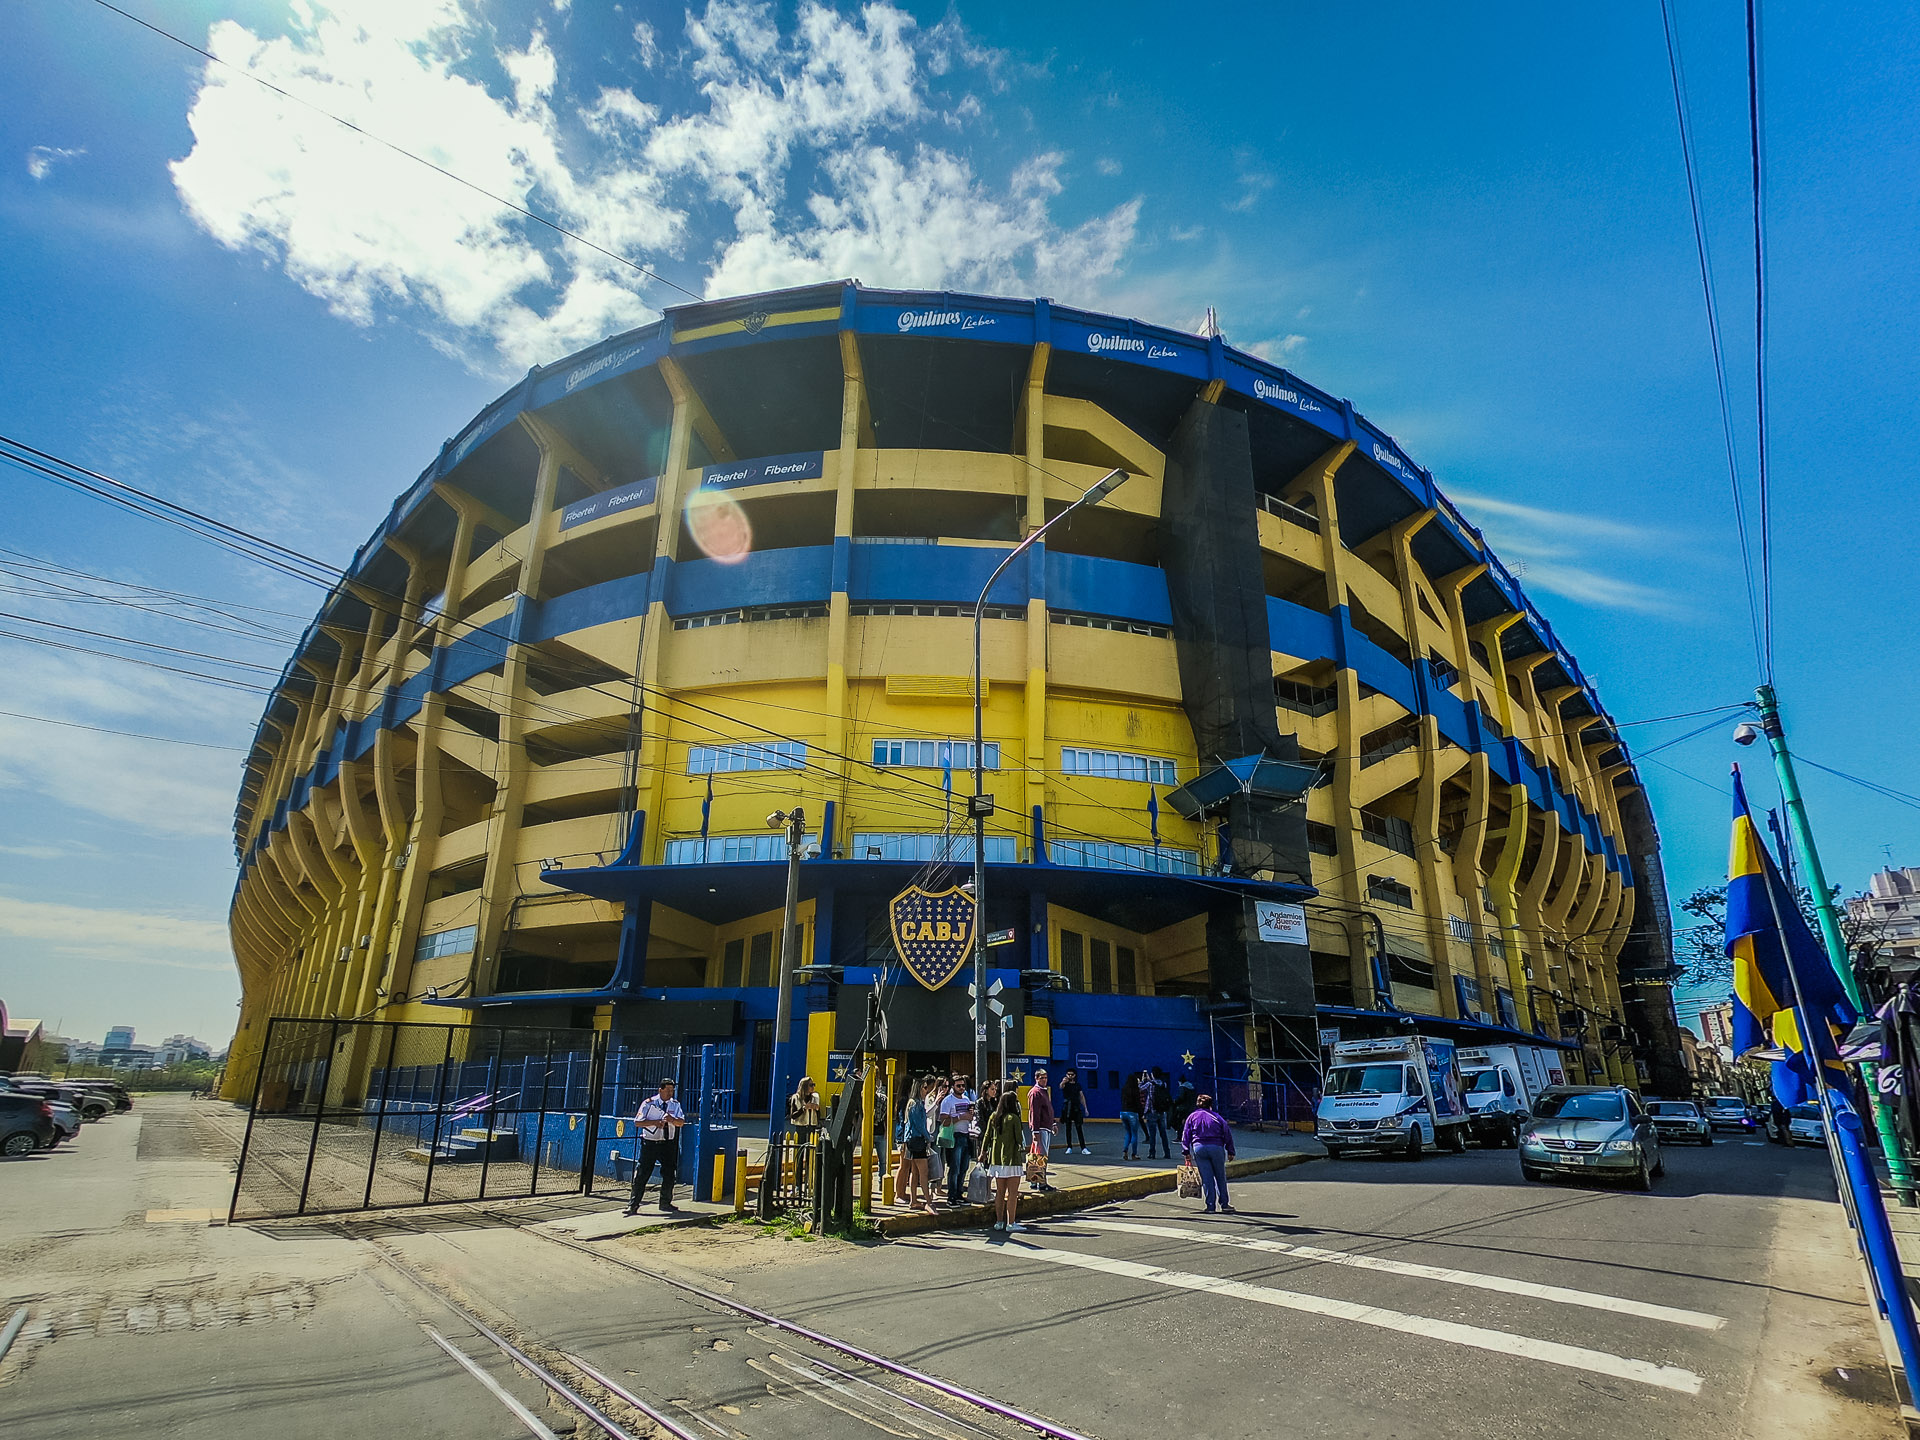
1149	1103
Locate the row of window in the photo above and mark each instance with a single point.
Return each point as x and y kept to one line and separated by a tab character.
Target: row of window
903	607
751	614
446	942
955	847
746	755
1116	765
922	847
1098	966
730	849
1111	855
933	754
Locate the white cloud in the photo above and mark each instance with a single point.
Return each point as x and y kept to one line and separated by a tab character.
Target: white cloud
1107	165
1573	554
1282	348
836	104
42	158
128	936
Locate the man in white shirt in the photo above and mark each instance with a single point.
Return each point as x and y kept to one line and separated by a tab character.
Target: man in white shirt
957	1110
659	1118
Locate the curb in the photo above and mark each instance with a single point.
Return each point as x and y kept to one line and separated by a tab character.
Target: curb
1077	1197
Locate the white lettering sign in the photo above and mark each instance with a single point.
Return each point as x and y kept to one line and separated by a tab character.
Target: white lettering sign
1281	924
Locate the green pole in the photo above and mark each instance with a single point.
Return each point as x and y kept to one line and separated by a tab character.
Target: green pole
1830	929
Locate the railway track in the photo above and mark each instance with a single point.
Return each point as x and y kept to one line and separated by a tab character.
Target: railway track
804	1380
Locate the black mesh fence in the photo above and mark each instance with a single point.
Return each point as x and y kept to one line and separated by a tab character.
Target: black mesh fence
353	1115
367	1114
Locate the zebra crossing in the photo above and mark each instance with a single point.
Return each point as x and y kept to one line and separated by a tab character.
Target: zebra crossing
1178	1253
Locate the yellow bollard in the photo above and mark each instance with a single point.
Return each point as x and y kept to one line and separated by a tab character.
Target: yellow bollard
868	1084
886	1121
740	1182
719	1187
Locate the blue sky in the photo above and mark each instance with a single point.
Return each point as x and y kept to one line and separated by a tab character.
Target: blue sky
1472	221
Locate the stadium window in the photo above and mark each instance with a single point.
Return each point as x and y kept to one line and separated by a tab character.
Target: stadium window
954	847
1102	983
1073	959
1110	855
730	963
747	755
1128	977
932	754
750	616
760	959
729	849
1117	765
1305	699
1388	831
1390	891
1104	622
1321	839
1409	970
446	942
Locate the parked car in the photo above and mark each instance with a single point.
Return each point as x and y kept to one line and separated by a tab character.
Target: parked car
26	1123
1591	1130
1729	1112
112	1092
1804	1126
89	1104
1680	1120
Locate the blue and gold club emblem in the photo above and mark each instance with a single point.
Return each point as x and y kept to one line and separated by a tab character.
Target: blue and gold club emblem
932	932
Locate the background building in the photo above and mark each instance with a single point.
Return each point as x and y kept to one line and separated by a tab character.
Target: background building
1885	929
523	757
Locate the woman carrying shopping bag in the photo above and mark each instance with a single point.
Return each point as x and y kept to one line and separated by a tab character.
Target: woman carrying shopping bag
1206	1142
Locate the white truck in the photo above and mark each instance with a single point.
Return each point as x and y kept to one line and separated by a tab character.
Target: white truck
1399	1096
1501	1083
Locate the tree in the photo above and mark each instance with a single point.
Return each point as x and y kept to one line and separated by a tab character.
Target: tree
1702	950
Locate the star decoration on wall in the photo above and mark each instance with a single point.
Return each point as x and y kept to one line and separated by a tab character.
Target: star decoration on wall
1187	1058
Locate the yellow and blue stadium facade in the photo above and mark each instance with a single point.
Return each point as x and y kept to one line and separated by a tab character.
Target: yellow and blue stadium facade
520	765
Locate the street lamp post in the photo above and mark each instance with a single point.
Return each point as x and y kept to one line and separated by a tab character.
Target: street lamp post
980	804
794	822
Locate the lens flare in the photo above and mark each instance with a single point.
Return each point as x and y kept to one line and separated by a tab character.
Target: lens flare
719	526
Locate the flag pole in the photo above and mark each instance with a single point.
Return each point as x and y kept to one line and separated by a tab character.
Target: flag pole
1829	918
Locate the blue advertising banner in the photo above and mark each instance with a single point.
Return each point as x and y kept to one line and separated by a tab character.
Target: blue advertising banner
1122	342
1283	392
947	322
610	502
617	357
768	470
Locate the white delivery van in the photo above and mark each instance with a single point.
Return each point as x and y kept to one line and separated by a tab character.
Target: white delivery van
1398	1096
1501	1082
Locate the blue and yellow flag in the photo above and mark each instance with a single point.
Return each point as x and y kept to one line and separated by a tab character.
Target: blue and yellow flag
1764	930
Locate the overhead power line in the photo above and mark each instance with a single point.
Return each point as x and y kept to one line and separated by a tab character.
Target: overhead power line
124	734
1756	131
1676	70
401	150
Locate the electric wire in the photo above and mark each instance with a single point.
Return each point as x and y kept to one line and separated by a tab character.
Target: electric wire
124	734
1756	129
401	150
1676	70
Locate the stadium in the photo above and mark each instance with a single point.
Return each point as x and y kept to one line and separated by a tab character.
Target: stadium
1279	750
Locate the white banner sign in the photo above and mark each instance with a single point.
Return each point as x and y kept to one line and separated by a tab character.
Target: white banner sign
1281	924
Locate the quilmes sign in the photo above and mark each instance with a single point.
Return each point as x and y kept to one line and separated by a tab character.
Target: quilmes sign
610	502
768	470
955	322
933	931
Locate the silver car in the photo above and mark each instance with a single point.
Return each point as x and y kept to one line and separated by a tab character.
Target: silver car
1804	1126
1680	1120
1591	1130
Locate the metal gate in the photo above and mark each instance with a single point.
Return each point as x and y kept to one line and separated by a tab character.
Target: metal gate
368	1114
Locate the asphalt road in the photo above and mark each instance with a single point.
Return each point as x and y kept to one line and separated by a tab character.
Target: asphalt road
1365	1298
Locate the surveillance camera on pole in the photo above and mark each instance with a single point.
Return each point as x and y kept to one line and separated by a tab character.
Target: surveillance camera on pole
1745	733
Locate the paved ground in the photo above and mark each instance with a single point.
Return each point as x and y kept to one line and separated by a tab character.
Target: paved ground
1360	1298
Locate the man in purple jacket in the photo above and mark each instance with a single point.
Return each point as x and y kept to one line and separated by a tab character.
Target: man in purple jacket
1206	1142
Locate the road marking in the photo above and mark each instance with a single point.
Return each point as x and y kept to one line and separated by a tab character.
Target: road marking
1696	1319
524	1415
1500	1342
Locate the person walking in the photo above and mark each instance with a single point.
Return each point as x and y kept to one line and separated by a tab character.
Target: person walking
1041	1122
1073	1111
1206	1142
659	1118
956	1120
803	1120
1183	1102
911	1182
1003	1150
1130	1116
1159	1106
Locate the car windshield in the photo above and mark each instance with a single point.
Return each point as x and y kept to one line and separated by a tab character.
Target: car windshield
1728	1102
1484	1081
1809	1111
1673	1107
1597	1105
1364	1080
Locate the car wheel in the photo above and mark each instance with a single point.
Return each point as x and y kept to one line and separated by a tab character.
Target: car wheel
1659	1164
19	1143
1413	1151
1457	1139
1336	1154
1530	1172
1706	1140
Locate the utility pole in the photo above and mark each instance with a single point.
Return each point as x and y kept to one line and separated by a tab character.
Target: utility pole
1816	879
795	823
